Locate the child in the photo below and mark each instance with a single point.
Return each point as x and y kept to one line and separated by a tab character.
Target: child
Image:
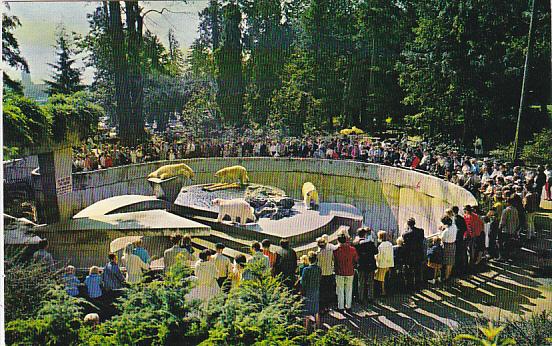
435	259
93	282
71	281
92	320
303	263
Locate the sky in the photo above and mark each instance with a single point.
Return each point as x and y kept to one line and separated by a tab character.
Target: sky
39	20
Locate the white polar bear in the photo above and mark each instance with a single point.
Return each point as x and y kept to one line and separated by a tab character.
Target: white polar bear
235	208
310	195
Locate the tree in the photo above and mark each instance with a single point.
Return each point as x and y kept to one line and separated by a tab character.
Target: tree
66	78
116	53
294	106
268	41
74	117
175	58
462	69
228	59
210	26
26	287
371	90
26	124
327	41
11	54
539	150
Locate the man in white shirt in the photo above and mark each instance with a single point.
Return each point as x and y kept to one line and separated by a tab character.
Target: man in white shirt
223	265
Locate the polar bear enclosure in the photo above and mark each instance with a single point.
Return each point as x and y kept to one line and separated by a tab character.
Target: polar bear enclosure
386	196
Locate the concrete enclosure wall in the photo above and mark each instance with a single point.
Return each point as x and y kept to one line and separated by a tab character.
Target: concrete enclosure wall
386	195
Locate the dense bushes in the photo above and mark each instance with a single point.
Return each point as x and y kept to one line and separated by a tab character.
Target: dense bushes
258	312
57	322
26	288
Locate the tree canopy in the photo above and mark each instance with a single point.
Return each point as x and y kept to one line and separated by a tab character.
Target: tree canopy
66	78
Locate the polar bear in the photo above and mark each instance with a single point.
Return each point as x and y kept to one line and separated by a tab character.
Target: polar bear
310	195
235	208
233	173
169	171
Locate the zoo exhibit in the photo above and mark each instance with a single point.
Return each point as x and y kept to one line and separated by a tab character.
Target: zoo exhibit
114	203
231	172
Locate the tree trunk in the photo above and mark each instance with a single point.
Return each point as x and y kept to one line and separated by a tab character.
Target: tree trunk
134	133
524	82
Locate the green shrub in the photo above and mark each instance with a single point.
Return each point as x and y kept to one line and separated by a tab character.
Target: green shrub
155	313
57	322
539	149
335	336
26	288
258	311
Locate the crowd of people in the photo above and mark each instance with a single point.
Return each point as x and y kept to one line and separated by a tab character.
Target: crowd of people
483	177
357	268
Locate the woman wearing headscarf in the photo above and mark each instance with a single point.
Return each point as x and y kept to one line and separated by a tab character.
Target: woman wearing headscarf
134	265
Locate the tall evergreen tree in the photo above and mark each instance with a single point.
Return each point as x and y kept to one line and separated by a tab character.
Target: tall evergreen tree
267	39
66	78
11	54
175	58
230	70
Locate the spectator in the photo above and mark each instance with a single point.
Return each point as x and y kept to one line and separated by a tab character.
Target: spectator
461	260
303	263
531	205
93	283
366	250
71	282
286	263
112	277
509	224
399	262
474	230
238	270
345	260
266	251
415	249
189	256
548	183
141	252
493	234
435	259
206	278
448	237
327	280
170	255
384	260
91	320
223	265
134	265
310	283
540	182
43	256
259	257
